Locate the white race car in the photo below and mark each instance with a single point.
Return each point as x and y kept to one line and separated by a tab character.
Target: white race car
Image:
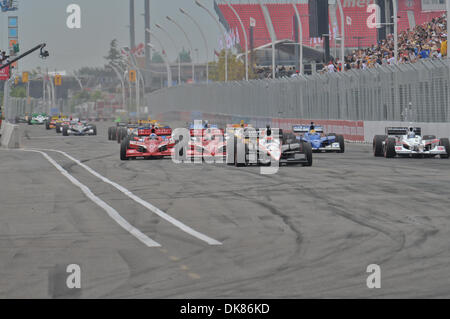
409	142
247	146
79	128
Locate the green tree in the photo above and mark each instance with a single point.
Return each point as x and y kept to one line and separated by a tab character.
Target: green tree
236	68
157	58
95	96
185	56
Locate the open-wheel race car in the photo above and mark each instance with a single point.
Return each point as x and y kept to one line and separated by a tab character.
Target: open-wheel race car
79	128
409	142
250	146
206	141
123	129
148	143
55	121
37	119
320	142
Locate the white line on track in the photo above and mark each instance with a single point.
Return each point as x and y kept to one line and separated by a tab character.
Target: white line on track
111	211
154	209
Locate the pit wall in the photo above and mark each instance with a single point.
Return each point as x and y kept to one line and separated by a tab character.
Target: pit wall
353	131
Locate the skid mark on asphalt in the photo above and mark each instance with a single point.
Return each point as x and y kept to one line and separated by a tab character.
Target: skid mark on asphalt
109	210
150	207
182	267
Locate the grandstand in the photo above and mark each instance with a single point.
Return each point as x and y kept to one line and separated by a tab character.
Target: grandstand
357	33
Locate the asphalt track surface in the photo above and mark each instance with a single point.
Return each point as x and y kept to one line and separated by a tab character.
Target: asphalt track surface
302	233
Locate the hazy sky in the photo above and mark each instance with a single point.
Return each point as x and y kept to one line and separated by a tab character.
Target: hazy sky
102	21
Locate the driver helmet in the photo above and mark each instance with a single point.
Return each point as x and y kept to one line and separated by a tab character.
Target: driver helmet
312	128
153	136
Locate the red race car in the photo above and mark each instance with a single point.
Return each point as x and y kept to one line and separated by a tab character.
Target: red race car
150	143
208	142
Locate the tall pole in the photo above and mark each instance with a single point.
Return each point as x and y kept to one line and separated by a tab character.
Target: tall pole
204	40
148	58
169	71
300	32
164	57
341	12
174	43
189	43
245	36
220	31
395	30
132	27
140	79
116	70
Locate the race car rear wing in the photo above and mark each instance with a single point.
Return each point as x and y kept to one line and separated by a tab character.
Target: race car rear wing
157	131
202	132
306	128
399	131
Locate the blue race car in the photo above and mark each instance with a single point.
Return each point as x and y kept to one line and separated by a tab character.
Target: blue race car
318	140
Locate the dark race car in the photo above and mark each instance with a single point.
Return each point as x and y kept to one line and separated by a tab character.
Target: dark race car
79	128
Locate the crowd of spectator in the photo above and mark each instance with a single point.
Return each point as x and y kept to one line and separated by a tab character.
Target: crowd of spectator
428	40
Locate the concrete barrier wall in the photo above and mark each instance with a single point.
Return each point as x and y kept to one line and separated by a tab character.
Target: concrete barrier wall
353	131
11	136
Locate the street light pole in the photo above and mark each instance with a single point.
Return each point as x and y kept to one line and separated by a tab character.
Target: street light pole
116	70
300	31
245	36
164	57
220	31
176	49
341	12
169	71
204	40
189	43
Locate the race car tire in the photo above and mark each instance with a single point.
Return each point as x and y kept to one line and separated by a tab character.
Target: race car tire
429	137
340	139
47	125
109	133
121	134
389	148
123	150
29	121
58	128
113	133
94	128
240	153
445	142
65	131
378	145
307	150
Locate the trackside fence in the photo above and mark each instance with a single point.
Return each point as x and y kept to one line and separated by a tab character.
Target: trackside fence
416	92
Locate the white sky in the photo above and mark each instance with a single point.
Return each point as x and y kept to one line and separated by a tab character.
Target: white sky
102	20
